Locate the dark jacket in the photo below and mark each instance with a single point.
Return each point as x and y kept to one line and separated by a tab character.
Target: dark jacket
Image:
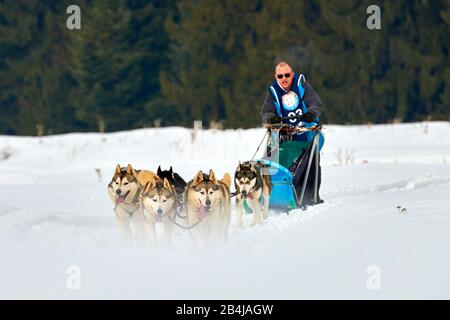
312	100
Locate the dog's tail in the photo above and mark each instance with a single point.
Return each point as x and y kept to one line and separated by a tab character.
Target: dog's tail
226	180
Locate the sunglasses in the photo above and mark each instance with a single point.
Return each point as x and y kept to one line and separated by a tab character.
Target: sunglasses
286	75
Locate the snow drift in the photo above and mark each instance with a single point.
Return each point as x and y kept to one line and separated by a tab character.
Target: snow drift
385	220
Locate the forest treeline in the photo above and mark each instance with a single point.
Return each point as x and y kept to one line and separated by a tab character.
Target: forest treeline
138	63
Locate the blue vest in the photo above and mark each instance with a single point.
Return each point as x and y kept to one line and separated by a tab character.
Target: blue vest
292	104
289	103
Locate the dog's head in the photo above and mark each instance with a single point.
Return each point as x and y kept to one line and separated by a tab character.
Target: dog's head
159	197
173	177
206	190
168	174
123	183
245	177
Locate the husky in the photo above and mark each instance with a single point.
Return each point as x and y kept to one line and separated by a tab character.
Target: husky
124	190
251	185
173	178
158	204
208	207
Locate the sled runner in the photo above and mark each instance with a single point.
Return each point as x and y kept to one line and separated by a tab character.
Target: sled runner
289	161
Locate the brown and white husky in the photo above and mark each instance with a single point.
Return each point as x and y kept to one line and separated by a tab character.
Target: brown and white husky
124	190
208	205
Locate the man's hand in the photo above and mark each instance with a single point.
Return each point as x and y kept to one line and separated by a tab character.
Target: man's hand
274	120
309	116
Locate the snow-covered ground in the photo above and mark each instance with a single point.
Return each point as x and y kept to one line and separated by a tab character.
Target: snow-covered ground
55	213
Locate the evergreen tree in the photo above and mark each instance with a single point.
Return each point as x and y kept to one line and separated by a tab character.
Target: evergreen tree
222	56
34	72
116	60
131	63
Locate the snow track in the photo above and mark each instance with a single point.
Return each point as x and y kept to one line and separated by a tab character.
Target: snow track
54	212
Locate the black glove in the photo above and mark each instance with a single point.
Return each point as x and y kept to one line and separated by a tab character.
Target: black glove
275	119
309	116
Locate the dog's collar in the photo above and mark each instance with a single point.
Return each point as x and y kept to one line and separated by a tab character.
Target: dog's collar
130	213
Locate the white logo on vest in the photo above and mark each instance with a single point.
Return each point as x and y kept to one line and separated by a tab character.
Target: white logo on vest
290	100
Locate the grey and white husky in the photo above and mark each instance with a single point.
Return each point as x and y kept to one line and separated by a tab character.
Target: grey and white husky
158	203
251	186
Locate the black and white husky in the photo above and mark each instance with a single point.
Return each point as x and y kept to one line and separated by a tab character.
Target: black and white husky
174	179
252	186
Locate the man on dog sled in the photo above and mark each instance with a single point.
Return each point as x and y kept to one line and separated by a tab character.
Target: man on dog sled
293	102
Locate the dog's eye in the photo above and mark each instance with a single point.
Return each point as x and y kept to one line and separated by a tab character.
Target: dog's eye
164	200
211	192
154	200
202	192
126	183
117	183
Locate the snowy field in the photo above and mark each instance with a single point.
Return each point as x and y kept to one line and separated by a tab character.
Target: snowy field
55	213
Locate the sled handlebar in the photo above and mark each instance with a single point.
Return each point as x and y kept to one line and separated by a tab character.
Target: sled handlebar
290	128
301	117
287	127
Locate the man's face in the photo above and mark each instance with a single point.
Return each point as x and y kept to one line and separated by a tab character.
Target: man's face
280	76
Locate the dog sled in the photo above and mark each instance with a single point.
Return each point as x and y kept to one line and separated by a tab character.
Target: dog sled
290	164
